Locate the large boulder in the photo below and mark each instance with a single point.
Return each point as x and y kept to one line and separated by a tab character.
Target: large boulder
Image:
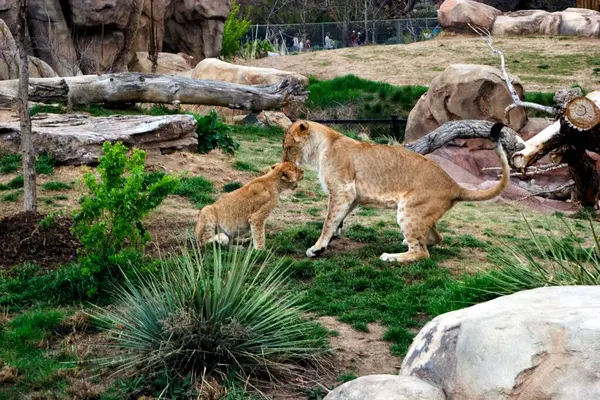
39	69
580	22
167	64
464	91
458	14
386	387
214	69
78	139
537	344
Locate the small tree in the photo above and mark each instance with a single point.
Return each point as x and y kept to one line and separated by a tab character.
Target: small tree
30	202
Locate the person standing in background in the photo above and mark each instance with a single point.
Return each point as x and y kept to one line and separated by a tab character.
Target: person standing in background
328	42
295	44
353	38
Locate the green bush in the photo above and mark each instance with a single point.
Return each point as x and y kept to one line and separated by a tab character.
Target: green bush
16	183
231	186
214	134
234	30
198	190
109	222
224	314
12	162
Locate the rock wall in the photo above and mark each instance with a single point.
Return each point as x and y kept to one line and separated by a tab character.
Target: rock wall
515	5
92	36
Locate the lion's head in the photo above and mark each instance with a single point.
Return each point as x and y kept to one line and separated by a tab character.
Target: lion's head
289	174
294	142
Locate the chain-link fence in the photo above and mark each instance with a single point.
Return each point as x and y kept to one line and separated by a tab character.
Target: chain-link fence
345	34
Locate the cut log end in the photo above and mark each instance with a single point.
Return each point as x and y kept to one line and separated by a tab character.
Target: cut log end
582	114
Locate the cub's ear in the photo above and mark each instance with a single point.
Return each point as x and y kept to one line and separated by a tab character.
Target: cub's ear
274	166
303	127
302	131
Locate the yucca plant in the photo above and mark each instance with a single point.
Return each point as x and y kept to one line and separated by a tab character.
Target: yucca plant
550	262
221	313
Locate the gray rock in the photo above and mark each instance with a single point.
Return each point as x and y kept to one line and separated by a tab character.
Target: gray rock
386	387
537	344
78	139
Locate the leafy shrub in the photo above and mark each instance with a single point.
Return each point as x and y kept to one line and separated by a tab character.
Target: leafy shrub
234	30
108	223
225	314
214	134
45	164
46	108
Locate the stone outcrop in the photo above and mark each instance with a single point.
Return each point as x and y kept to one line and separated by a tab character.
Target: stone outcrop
537	344
459	13
464	91
77	139
571	22
9	59
386	387
195	27
214	69
168	64
77	37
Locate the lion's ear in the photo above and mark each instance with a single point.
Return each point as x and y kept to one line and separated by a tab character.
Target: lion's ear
303	127
302	131
274	166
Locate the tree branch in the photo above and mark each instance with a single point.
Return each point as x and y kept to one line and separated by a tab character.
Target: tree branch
487	39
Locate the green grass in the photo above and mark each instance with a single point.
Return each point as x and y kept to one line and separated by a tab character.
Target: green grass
244	166
47	108
12	162
358	288
15	183
20	347
56	186
198	190
373	99
231	186
12	197
9	163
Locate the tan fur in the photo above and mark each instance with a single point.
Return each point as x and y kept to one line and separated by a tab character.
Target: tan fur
248	207
356	173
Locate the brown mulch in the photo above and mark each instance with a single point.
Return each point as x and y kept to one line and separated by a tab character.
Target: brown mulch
23	240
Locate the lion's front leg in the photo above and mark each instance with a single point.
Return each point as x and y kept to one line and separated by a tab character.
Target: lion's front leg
341	202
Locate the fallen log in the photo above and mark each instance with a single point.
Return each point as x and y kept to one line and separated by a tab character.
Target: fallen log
78	139
149	88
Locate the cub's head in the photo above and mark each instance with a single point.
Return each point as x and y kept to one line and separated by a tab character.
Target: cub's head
289	174
294	142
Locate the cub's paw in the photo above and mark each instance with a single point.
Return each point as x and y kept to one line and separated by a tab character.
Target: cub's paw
388	257
314	251
405	242
221	239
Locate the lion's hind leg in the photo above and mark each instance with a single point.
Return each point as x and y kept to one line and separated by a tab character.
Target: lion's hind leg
419	229
206	227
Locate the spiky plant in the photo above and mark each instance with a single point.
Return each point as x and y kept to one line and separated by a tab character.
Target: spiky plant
550	262
218	313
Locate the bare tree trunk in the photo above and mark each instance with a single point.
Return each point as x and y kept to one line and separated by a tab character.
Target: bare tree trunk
153	44
27	151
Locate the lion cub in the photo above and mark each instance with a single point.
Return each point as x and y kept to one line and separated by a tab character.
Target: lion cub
248	207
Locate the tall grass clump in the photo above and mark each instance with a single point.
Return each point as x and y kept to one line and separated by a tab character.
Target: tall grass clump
220	314
550	261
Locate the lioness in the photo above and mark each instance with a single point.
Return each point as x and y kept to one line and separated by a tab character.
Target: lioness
356	173
248	207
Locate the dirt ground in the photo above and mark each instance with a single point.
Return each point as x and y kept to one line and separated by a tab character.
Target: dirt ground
418	63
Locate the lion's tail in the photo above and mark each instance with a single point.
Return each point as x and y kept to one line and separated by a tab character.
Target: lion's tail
481	195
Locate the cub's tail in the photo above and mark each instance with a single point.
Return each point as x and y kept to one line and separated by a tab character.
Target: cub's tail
481	195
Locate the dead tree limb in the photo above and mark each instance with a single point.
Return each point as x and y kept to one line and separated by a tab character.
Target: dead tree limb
465	129
486	35
27	150
148	88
